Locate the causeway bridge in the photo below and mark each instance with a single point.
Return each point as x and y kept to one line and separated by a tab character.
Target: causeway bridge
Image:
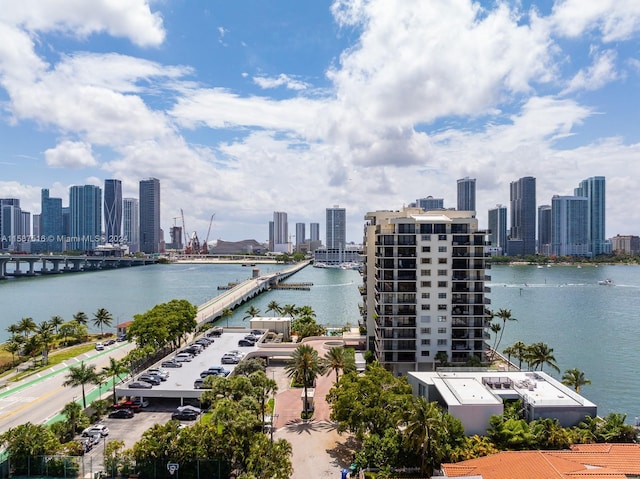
242	292
37	265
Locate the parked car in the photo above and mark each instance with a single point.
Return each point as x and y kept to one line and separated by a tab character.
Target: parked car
163	373
140	385
121	338
237	353
230	359
109	342
149	378
246	342
200	384
215	371
194	349
95	439
99	347
171	363
100	429
251	337
123	413
215	332
137	402
158	376
133	404
183	357
257	332
185	415
204	342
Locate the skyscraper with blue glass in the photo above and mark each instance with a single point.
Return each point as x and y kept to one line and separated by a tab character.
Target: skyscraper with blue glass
113	211
594	190
85	217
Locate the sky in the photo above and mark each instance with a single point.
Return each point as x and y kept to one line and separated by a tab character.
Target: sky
248	107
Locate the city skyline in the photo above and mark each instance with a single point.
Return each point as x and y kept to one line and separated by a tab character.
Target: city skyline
224	110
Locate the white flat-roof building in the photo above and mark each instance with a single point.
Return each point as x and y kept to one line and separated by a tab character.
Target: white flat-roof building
475	396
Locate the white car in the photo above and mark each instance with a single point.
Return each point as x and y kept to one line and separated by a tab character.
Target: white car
94	430
183	357
99	347
163	373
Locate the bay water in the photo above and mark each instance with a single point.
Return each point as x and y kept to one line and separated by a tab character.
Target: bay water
591	327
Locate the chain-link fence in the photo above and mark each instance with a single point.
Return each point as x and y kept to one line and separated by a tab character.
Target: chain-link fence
91	468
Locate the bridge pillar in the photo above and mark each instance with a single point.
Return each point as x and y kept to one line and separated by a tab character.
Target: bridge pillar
31	262
3	268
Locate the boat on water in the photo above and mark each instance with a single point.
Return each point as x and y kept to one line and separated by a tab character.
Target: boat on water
606	282
337	265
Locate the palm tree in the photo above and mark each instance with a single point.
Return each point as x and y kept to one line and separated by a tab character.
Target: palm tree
73	412
101	318
115	370
304	366
226	314
504	315
575	379
14	329
27	326
306	311
13	346
274	307
541	354
45	336
252	312
337	360
56	321
289	310
495	329
426	431
81	375
519	352
81	317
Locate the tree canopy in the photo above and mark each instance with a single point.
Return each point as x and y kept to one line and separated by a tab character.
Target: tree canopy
164	324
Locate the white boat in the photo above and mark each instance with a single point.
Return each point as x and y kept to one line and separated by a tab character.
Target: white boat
606	282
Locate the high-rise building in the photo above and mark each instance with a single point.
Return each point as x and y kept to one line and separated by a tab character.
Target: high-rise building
131	224
424	288
594	190
544	230
430	203
626	244
35	222
336	228
51	225
300	233
11	225
522	238
569	226
314	231
281	243
113	211
150	216
467	194
498	228
85	217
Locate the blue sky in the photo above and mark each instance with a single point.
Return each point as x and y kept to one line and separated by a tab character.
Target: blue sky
249	107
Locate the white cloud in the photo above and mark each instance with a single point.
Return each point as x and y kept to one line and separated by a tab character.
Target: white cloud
132	19
70	154
601	72
615	19
281	80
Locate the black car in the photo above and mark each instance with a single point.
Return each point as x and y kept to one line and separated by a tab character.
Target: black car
246	342
140	385
185	415
121	414
149	378
215	332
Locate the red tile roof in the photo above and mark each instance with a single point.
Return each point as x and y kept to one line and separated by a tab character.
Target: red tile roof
592	461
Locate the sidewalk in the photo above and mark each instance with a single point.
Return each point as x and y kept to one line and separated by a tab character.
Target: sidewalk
318	450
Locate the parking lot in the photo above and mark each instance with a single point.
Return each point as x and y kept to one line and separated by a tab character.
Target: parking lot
179	386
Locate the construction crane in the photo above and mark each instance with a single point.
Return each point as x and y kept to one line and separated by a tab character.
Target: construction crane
184	232
205	245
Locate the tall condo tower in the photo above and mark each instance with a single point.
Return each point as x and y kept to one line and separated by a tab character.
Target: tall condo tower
113	211
336	228
11	224
314	231
300	233
430	203
280	232
51	225
424	288
467	194
498	227
569	226
150	216
522	240
544	230
594	190
85	217
131	224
